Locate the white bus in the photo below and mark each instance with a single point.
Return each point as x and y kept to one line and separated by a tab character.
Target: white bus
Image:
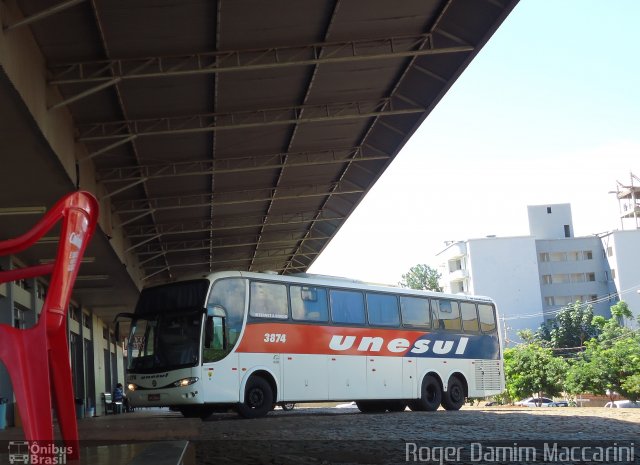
250	341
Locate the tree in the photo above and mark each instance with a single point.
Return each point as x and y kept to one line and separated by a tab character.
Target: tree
612	366
620	311
572	326
422	277
532	369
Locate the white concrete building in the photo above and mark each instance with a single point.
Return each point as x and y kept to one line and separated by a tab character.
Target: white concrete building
532	277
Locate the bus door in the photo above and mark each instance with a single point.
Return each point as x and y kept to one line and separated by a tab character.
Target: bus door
220	371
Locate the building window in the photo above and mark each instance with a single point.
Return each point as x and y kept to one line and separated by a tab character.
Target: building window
591	277
558	256
41	291
105	333
549	301
567	231
548	210
74	312
578	277
587	255
544	257
593	297
613	273
563	300
560	278
609	251
573	256
546	279
86	320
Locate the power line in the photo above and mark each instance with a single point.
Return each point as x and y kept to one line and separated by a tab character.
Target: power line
583	304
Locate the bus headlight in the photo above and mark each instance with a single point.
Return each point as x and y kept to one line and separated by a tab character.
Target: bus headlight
131	387
185	382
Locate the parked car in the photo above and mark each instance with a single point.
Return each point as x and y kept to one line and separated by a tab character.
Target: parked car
559	403
535	402
622	404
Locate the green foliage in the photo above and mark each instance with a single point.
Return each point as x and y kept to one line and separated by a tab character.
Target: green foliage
422	277
631	385
620	311
607	368
527	336
608	360
572	326
532	369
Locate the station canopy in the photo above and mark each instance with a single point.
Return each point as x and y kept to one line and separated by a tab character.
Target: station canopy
229	134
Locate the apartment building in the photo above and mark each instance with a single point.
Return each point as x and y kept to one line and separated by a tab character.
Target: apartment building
532	277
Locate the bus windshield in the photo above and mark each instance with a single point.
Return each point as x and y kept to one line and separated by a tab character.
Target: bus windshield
165	333
165	341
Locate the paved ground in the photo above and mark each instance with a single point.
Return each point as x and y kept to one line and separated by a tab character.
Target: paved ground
345	436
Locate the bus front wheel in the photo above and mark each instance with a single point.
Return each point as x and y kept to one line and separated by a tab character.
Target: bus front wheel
258	398
430	395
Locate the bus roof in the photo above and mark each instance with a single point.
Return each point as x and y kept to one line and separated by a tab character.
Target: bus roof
338	281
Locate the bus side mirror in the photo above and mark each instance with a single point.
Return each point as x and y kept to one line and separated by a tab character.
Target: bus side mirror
216	310
116	320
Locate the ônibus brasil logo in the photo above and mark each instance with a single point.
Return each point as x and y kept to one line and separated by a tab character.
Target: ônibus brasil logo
33	453
399	345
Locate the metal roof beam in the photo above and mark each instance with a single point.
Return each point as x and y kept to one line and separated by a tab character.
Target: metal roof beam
225	261
251	60
43	14
226	225
230	198
206	244
109	131
235	165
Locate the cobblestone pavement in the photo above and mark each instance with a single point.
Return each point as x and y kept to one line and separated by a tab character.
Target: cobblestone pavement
325	436
472	435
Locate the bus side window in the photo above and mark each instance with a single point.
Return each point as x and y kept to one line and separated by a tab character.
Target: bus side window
448	314
347	306
268	300
415	311
469	317
382	309
308	303
487	318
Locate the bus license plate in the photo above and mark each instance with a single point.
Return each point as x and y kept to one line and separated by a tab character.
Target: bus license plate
153	397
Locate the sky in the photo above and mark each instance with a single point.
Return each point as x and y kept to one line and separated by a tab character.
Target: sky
548	112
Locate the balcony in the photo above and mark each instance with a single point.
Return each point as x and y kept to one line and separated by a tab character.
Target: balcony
458	275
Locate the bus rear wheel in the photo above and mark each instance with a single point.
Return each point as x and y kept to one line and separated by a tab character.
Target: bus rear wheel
453	399
258	398
430	396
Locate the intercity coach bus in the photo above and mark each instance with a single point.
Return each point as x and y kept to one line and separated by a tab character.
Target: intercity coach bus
249	341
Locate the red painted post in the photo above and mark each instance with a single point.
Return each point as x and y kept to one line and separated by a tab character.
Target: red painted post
37	358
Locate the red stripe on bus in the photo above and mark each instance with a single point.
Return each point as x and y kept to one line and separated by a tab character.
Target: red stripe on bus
314	339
